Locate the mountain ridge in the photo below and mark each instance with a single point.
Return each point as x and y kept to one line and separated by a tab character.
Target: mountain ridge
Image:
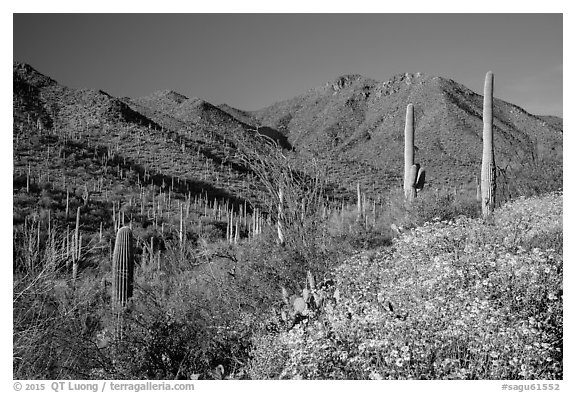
362	120
353	124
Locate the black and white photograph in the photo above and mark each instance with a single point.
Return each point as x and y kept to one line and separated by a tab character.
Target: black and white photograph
287	196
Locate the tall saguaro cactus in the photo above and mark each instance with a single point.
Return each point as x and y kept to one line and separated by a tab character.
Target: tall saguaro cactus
414	175
123	268
488	176
408	150
77	249
280	216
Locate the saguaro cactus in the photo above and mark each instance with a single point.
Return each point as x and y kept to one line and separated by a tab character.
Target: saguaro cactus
408	149
280	216
358	200
414	175
488	176
123	267
86	195
478	190
28	180
77	249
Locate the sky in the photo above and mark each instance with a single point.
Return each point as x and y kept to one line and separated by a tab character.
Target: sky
250	61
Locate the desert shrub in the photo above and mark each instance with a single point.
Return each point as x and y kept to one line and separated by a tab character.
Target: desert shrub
25	202
533	178
293	198
211	231
442	205
55	325
350	232
29	245
459	299
530	219
547	240
185	319
56	320
430	205
19	182
370	238
267	357
181	321
46	200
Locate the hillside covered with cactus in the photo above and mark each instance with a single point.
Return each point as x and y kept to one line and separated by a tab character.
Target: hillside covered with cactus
352	125
151	234
357	123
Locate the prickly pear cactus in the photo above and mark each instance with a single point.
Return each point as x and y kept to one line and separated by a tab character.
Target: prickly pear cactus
123	268
300	307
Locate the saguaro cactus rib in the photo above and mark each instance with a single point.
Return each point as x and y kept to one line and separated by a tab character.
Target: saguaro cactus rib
488	176
123	267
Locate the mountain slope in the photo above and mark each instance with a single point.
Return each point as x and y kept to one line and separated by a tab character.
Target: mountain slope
356	119
190	111
554	121
353	126
57	106
86	138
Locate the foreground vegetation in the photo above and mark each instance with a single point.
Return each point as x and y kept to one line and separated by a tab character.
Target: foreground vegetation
459	299
453	297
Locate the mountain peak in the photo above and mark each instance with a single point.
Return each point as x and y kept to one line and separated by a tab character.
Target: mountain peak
18	65
345	81
27	73
409	78
196	102
169	95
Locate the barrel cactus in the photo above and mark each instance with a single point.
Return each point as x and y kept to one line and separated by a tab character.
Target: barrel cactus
123	268
488	176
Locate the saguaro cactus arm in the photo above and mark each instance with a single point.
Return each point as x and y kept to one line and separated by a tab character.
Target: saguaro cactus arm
420	179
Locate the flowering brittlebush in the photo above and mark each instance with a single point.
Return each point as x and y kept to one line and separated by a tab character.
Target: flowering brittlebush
460	299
